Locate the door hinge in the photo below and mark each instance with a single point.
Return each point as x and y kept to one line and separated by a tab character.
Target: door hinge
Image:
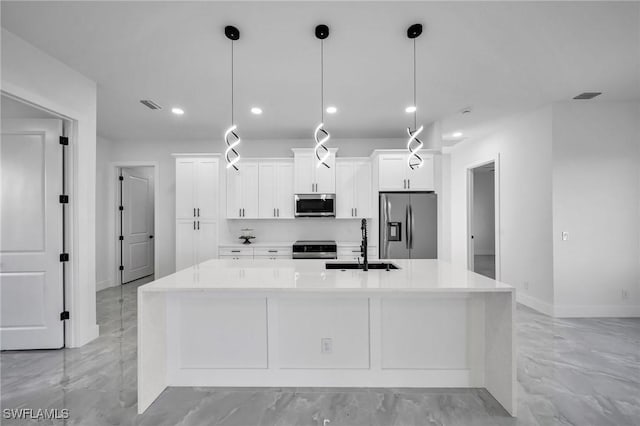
64	199
64	140
120	177
121	268
64	315
64	257
121	238
121	208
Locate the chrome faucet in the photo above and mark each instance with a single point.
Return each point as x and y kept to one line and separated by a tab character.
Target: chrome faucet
363	246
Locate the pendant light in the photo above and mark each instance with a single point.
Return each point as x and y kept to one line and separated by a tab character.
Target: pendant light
320	135
231	137
414	145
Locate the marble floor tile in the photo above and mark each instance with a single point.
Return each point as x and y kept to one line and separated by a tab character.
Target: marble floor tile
580	372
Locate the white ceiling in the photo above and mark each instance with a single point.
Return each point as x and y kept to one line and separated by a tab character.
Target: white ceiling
498	57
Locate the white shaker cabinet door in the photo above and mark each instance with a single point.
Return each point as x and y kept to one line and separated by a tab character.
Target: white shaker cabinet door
206	240
185	243
345	189
185	188
326	176
422	178
304	173
362	194
267	190
234	194
284	192
392	172
250	178
207	188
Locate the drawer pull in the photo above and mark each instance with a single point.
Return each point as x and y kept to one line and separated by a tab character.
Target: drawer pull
272	251
235	251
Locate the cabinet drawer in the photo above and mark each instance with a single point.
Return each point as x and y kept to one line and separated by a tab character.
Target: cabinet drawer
273	251
272	257
234	257
354	251
236	251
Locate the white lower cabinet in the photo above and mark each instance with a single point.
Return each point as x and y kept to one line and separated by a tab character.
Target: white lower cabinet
196	242
236	253
353	253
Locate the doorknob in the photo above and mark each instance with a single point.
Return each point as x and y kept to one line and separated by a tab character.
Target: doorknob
150	236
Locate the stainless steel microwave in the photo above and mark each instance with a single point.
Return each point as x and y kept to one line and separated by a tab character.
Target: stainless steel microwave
315	205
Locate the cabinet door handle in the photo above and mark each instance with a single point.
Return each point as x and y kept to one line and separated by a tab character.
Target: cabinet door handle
243	212
194	212
272	251
356	212
278	210
198	211
274	212
194	225
239	212
235	251
198	225
408	183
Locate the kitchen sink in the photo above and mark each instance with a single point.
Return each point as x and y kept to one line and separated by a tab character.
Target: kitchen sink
356	265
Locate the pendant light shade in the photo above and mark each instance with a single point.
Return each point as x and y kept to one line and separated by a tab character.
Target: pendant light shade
231	137
320	135
414	145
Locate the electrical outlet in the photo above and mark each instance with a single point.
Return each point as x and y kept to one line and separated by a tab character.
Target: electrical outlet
565	236
526	285
326	345
625	294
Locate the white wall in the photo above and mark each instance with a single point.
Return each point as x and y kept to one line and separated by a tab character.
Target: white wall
523	145
104	256
31	75
266	230
483	212
596	167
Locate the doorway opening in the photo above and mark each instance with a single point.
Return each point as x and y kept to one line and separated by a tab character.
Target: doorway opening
35	249
135	223
482	216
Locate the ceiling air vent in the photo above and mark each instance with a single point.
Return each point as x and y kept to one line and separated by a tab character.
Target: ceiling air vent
150	104
588	95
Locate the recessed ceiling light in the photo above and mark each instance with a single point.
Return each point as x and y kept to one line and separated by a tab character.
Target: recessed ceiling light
256	110
177	111
457	134
332	110
410	109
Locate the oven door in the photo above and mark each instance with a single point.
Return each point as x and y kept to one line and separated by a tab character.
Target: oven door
315	205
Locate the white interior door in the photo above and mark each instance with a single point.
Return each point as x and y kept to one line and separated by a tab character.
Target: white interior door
31	235
137	223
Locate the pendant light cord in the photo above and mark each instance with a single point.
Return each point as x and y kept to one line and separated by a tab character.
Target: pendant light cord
232	122
415	105
322	81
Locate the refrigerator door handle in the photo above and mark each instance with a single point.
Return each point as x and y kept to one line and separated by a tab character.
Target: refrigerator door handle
406	227
385	233
410	223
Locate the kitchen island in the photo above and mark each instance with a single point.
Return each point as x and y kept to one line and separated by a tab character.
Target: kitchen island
293	323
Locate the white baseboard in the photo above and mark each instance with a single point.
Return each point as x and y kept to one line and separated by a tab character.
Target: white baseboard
101	285
596	311
534	303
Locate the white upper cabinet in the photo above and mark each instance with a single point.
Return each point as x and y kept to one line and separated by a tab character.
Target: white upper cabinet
308	177
197	188
353	188
242	191
394	173
275	189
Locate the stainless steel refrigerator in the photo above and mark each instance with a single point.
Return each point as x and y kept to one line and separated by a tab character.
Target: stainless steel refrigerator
408	225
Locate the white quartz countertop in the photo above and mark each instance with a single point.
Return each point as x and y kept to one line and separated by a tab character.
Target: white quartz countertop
288	275
259	245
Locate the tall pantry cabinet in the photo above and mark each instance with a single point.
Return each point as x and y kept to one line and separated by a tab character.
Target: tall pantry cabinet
197	194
